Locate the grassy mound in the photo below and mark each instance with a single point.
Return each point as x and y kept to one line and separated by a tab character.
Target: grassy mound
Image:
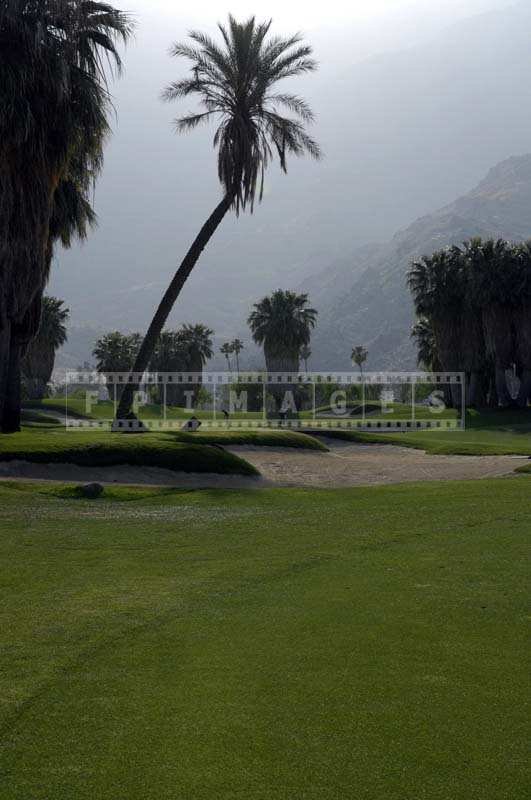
102	449
259	438
489	433
364	643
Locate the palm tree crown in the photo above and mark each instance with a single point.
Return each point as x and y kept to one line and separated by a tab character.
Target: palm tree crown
53	322
235	83
197	339
282	323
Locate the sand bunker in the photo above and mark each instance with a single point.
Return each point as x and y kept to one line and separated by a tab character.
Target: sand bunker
347	464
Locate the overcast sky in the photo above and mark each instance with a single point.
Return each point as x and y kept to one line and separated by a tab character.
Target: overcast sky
306	13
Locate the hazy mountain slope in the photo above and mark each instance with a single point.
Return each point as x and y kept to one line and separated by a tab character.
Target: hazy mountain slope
376	308
403	134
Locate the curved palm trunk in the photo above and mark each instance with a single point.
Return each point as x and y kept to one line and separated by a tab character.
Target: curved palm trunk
168	301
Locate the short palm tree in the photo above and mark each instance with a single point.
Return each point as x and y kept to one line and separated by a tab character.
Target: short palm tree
235	82
38	362
115	351
282	324
54	107
197	339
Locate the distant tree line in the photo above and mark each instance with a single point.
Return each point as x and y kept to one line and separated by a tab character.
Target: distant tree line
184	350
473	305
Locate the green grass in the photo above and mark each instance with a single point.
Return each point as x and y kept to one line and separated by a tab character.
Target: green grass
265	645
103	449
395	411
30	417
488	433
104	410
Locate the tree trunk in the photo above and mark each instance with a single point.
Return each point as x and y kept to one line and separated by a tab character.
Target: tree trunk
12	402
5	341
524	396
523	347
168	301
288	364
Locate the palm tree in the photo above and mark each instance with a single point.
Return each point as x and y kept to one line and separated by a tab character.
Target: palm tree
439	290
54	107
359	356
522	324
71	217
197	345
427	355
235	82
38	362
226	350
497	284
282	324
198	341
237	347
116	352
305	354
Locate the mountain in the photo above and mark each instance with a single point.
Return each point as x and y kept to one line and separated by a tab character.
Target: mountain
403	133
365	299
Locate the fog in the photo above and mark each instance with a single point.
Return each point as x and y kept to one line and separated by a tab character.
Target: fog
412	102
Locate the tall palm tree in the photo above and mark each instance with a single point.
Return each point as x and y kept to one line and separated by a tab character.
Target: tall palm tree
496	282
226	350
71	217
282	324
237	347
235	83
38	362
54	107
359	356
437	286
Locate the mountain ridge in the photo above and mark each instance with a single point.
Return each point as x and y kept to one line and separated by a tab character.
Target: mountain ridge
372	305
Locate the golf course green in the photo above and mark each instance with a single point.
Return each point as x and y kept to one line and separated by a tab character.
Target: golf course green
364	643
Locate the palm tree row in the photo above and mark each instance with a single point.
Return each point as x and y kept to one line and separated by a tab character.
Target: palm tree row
474	315
228	349
184	350
55	58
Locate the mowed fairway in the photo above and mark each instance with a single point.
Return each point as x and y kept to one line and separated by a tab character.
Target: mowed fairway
265	645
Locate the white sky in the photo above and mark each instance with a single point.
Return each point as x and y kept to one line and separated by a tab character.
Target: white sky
308	13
